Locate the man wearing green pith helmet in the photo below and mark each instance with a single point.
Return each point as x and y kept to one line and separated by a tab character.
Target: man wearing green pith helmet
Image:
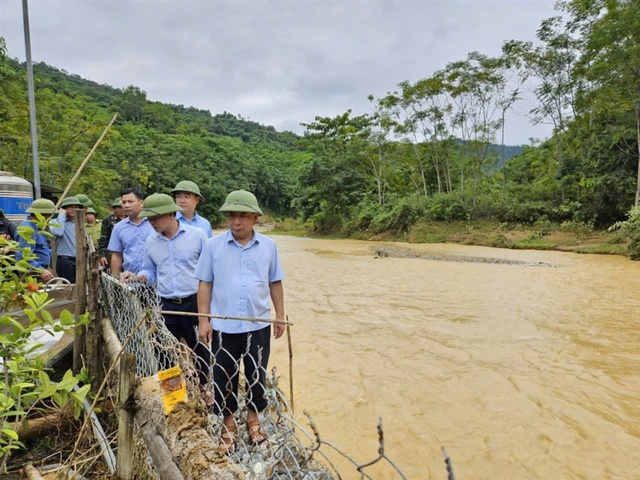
170	257
240	275
38	243
188	197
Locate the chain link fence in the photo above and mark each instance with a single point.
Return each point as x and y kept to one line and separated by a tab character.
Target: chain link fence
290	451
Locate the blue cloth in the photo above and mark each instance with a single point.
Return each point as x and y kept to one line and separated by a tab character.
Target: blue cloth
129	239
65	231
171	263
197	221
241	278
40	248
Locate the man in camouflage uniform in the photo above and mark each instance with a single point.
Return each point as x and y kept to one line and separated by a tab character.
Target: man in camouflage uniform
105	232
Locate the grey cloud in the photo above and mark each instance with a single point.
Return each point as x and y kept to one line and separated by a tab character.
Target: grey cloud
276	62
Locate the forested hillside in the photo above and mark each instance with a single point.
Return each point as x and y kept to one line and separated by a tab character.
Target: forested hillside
428	150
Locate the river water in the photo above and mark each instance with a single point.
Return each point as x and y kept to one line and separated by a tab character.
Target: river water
526	370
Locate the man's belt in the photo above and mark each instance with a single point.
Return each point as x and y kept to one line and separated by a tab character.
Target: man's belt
68	257
178	301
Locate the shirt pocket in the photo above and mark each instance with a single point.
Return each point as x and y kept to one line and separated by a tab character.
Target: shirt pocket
257	270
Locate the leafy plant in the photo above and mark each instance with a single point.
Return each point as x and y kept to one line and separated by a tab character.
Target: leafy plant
24	381
631	229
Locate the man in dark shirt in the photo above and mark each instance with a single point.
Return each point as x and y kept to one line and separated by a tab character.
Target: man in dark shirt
105	232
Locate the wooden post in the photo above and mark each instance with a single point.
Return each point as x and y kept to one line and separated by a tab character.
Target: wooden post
290	364
93	341
79	348
126	386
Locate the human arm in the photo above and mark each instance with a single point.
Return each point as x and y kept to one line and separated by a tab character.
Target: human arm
277	297
205	332
56	227
103	242
116	263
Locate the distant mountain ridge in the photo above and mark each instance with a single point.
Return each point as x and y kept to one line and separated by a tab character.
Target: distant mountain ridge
224	124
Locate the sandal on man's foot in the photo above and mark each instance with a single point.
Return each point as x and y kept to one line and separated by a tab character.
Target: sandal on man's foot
228	439
257	434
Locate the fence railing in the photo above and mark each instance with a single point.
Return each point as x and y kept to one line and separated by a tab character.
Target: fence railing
291	450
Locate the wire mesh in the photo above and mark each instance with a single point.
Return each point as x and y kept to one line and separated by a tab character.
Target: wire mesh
290	451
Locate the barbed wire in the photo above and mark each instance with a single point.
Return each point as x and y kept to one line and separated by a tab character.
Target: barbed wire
290	452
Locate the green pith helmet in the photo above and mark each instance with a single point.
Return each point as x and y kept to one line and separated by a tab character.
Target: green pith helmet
91	210
158	204
187	186
241	201
117	202
84	200
43	206
69	201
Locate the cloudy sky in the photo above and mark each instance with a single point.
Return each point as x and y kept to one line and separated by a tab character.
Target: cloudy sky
277	62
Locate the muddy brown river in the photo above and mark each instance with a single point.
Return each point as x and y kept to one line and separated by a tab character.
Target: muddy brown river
524	369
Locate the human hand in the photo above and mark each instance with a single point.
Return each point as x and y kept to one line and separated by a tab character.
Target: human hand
103	262
278	329
46	275
205	332
128	277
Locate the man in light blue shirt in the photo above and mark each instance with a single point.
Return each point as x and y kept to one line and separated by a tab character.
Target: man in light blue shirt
128	236
64	229
188	196
240	274
39	245
171	254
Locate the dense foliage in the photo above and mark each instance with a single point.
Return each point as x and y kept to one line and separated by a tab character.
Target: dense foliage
430	148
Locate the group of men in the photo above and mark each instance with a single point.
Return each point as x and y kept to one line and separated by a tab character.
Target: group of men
219	280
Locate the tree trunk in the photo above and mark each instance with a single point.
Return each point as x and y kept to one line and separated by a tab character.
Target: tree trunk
638	138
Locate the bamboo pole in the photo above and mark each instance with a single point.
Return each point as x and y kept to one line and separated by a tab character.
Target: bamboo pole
84	162
223	317
111	342
79	346
126	387
290	364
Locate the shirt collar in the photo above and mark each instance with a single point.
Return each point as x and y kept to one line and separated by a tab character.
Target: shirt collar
179	215
127	219
230	239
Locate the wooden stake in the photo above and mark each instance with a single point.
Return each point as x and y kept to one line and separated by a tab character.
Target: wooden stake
290	364
79	347
84	162
93	341
126	386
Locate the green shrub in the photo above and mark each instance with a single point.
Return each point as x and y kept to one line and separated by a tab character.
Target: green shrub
630	228
446	208
325	223
400	218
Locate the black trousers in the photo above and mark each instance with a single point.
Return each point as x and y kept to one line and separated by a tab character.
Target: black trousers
66	268
185	326
253	349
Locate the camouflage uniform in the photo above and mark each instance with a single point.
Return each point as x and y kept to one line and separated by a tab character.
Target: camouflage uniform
94	231
105	235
